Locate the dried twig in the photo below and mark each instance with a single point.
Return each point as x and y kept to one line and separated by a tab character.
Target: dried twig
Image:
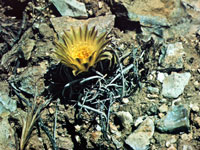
46	130
105	90
28	124
30	119
92	109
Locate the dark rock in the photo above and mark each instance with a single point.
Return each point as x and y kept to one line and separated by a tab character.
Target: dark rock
31	80
45	31
71	8
16	51
176	120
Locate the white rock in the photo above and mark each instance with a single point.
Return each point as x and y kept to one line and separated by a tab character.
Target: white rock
174	84
7	104
126	119
161	76
125	100
172	49
163	108
194	107
173	56
140	138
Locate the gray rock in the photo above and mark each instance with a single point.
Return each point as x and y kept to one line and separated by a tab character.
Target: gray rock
140	138
158	19
45	30
26	48
174	84
7	138
31	78
152	12
125	100
176	120
42	50
152	110
101	23
126	119
172	56
13	54
148	20
7	104
71	8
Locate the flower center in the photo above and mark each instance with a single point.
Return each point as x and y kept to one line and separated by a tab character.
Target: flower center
81	50
84	52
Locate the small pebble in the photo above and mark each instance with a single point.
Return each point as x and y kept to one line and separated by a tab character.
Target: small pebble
95	136
187	147
113	128
126	61
197	85
117	143
198	70
152	96
163	100
186	137
168	144
51	110
171	141
52	16
163	108
194	107
90	12
197	121
78	139
125	118
153	90
100	4
161	115
98	128
77	128
172	148
125	100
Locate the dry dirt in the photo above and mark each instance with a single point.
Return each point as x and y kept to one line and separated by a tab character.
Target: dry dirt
77	128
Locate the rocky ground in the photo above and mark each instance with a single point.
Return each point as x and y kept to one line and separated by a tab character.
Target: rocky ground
150	99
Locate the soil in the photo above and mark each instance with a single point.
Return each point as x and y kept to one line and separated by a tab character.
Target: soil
74	127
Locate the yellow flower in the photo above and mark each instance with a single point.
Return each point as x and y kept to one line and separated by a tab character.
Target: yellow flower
81	49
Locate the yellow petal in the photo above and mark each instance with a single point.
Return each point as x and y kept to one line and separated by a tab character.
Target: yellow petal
81	49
